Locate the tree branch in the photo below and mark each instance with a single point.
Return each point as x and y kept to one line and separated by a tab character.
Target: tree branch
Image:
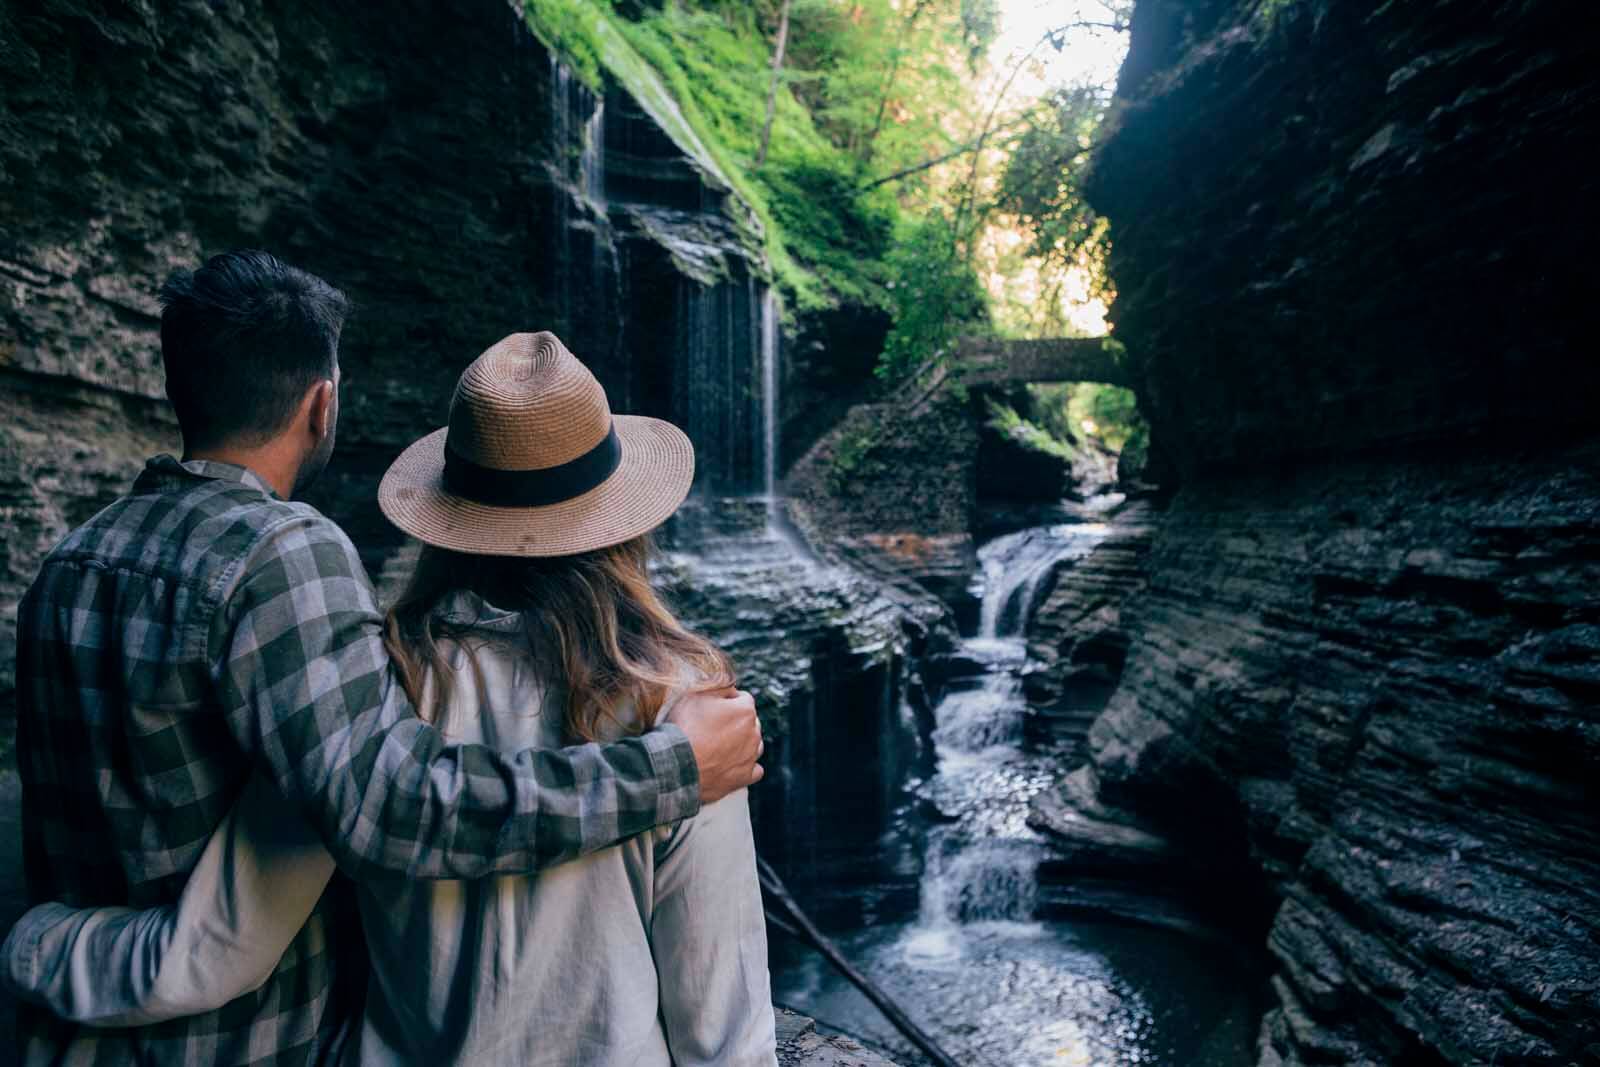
917	168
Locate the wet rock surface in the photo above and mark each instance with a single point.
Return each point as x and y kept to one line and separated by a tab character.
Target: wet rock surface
800	1045
1078	637
892	488
1362	676
1372	689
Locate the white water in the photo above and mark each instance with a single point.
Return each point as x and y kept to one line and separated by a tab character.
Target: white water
771	338
591	159
1013	567
981	867
996	985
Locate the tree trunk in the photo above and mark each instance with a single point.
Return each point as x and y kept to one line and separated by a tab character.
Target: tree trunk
777	75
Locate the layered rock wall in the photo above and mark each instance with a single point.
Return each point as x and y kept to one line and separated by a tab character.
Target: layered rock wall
444	168
357	142
1349	243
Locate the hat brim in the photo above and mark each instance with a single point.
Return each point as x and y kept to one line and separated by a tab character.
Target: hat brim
650	482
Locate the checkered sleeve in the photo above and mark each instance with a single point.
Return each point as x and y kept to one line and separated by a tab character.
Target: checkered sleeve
310	690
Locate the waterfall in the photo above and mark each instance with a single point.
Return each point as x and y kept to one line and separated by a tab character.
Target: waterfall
1014	567
591	158
770	340
561	200
971	720
981	865
585	272
726	380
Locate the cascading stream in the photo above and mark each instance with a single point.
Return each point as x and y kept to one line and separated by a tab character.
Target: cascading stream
997	983
981	866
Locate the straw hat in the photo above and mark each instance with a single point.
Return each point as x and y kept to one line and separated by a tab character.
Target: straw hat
533	462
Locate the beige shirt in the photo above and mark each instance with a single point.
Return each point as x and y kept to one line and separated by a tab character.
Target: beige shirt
651	952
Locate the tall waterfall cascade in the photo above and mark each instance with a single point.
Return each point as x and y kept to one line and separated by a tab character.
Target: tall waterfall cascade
771	339
695	296
980	867
584	269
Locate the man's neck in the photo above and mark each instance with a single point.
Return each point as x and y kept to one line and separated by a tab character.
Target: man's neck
271	462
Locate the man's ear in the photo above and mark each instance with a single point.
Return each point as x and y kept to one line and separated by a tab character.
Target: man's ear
320	409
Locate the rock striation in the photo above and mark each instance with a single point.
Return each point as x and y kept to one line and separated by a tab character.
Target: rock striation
892	488
1363	671
354	142
1079	635
461	183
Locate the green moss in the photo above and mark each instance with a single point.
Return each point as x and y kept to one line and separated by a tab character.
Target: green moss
1003	418
703	77
569	27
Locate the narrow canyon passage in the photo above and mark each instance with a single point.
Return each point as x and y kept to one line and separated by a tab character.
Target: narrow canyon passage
1289	759
999	977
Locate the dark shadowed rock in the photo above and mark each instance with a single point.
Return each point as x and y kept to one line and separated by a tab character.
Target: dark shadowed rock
1350	241
892	489
1374	686
13	894
1078	638
800	1045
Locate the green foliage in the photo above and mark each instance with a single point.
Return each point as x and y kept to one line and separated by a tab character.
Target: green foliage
936	297
718	65
1003	418
866	86
852	457
569	27
1113	410
871	92
1040	183
1072	411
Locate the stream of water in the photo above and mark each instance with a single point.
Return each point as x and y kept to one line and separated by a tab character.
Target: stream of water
996	986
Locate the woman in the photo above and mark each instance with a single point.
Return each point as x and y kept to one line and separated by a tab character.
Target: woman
534	506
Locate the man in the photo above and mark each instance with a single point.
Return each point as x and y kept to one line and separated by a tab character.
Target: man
204	626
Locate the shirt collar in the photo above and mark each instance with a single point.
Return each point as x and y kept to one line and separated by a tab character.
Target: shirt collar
165	471
466	608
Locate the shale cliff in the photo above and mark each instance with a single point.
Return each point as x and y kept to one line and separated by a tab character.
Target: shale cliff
461	182
1361	681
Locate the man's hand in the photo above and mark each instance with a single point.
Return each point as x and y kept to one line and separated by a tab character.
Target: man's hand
726	739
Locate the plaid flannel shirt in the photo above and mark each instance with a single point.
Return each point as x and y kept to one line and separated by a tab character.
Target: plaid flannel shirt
201	627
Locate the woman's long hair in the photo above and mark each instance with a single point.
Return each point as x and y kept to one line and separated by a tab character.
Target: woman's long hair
593	622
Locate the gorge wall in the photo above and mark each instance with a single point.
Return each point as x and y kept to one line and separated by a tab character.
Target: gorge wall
460	183
1362	679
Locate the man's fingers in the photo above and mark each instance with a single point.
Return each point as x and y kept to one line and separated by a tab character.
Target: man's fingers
759	773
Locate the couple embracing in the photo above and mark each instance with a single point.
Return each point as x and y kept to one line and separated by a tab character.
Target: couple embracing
265	823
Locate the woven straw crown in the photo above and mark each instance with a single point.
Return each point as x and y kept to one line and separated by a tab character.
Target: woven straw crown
527	404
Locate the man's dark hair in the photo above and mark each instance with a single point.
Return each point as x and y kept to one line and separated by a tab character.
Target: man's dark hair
242	339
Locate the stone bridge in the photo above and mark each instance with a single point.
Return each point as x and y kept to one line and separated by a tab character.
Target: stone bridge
988	361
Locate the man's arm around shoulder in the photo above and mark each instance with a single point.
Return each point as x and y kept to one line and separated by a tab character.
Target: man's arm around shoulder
308	688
